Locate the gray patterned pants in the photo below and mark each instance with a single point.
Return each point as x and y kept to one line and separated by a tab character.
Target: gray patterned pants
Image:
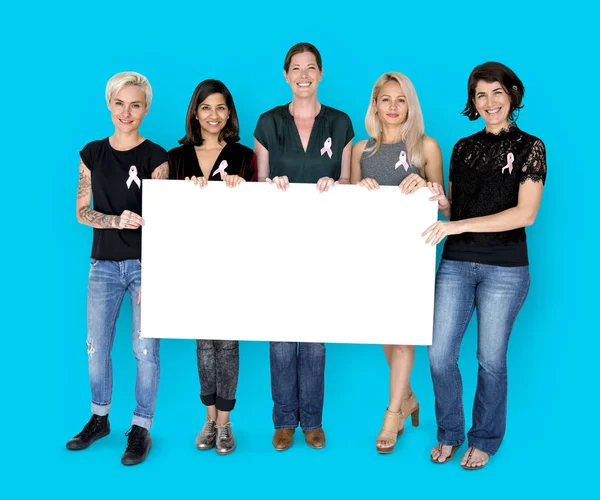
218	368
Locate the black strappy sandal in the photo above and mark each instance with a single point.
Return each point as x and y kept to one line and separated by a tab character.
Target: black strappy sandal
448	458
466	467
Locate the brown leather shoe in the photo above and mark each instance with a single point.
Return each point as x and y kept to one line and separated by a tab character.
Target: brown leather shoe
315	439
282	439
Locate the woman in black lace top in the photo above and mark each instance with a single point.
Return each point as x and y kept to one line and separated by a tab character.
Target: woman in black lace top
495	187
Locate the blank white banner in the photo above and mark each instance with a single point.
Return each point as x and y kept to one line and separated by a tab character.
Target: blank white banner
253	263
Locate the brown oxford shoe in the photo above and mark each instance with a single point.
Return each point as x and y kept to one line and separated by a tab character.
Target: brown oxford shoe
282	439
315	439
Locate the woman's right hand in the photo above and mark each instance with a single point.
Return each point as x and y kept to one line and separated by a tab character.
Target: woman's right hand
439	196
128	220
370	184
282	182
201	181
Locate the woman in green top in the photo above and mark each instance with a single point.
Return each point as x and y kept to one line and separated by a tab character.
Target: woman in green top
305	142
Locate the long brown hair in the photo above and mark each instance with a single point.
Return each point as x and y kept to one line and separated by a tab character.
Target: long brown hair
193	132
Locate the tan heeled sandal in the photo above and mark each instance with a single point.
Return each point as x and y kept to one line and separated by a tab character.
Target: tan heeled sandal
393	420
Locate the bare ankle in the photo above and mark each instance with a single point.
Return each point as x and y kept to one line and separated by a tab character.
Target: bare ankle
222	417
211	412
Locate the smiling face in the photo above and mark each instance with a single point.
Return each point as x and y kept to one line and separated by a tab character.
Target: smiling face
391	104
303	74
493	104
212	114
128	108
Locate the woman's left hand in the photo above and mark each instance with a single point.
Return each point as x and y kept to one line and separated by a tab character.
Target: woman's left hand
411	183
438	231
324	183
233	180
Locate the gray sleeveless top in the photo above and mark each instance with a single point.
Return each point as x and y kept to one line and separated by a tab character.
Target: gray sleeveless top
389	165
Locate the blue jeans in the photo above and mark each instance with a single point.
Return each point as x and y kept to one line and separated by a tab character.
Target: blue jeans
497	292
108	282
297	384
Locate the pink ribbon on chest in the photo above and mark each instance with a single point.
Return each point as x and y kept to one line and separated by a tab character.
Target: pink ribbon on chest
509	159
402	161
327	147
221	170
133	177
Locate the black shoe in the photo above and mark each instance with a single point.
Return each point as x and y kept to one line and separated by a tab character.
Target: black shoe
96	428
139	443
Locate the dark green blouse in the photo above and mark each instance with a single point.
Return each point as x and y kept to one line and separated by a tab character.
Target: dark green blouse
278	133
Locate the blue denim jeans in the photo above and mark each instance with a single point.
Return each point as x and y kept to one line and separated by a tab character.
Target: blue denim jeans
108	282
297	384
497	293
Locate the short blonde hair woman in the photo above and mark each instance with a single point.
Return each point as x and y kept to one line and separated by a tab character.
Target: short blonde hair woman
111	172
126	78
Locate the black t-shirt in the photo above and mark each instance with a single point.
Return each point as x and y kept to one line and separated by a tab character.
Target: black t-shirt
486	171
278	133
239	160
116	186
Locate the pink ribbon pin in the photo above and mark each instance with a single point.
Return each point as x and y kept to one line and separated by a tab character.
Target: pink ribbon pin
221	170
327	148
509	158
133	177
402	161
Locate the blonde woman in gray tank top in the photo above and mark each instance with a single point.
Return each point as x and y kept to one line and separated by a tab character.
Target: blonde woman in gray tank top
398	153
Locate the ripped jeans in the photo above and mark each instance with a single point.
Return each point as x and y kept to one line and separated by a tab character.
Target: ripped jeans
108	282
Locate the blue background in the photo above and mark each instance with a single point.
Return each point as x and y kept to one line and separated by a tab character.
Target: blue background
57	58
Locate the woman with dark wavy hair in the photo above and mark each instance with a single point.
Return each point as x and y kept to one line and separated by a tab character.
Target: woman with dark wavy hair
496	180
210	151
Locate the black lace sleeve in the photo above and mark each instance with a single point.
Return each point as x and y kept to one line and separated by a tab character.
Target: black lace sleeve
453	158
534	167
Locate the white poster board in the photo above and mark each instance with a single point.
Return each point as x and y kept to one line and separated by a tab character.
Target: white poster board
254	263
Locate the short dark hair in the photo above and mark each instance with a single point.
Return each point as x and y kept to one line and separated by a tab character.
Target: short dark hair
495	72
193	132
299	48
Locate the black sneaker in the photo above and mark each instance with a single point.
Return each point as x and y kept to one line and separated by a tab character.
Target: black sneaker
139	443
96	428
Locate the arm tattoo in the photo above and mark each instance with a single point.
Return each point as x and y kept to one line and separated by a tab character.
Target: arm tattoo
86	214
84	188
161	172
97	219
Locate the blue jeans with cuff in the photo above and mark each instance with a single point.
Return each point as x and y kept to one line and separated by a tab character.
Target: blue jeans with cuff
108	283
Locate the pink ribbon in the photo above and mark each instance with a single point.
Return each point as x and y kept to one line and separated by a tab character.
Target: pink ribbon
221	170
133	177
509	158
327	148
402	161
